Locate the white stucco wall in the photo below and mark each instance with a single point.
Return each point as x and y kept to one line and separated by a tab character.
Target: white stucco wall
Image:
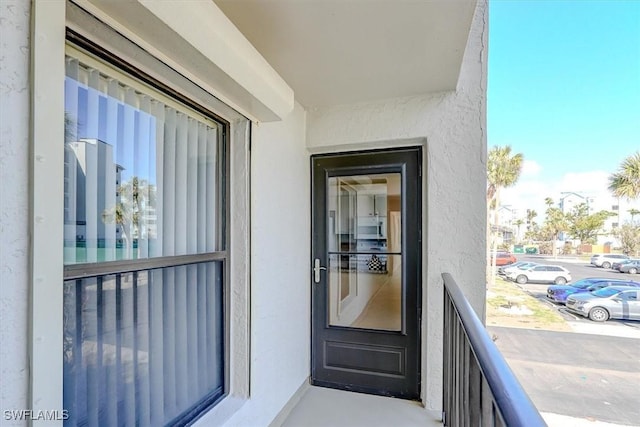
14	206
452	128
280	268
280	330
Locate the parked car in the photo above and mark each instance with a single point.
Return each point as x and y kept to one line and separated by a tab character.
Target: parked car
560	293
606	260
632	267
612	302
504	258
515	266
502	269
616	265
541	274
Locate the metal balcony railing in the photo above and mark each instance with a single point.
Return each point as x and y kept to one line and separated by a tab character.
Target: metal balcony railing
479	388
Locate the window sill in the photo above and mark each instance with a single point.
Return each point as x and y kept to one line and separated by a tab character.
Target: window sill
221	413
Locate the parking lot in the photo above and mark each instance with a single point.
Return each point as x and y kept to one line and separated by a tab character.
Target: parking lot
590	374
584	376
581	269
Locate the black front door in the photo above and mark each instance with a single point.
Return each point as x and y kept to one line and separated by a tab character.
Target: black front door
366	275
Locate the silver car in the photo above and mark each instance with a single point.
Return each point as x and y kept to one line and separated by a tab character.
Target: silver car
613	302
632	267
616	265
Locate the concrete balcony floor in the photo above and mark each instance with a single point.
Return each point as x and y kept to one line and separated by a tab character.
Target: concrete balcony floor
325	407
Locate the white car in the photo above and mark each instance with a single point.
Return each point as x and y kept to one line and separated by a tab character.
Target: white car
504	271
606	260
541	274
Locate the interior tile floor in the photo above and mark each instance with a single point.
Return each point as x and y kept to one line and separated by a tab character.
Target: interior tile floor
384	310
325	407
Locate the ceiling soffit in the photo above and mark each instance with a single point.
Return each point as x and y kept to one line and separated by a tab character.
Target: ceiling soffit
348	51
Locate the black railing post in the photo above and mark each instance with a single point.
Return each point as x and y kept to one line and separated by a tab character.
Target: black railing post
487	388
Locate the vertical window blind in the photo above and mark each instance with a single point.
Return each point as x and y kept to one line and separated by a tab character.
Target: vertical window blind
141	172
144	178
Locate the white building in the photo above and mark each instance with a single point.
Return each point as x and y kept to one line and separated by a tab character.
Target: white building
620	208
508	223
569	200
90	191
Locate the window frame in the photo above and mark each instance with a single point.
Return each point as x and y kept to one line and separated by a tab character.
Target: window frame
50	21
88	53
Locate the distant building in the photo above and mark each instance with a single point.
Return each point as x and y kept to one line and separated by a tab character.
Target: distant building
570	200
507	227
91	179
619	207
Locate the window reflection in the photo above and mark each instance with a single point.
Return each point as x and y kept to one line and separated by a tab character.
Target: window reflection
130	156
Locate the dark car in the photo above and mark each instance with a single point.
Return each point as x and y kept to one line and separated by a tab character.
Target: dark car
560	293
632	267
616	265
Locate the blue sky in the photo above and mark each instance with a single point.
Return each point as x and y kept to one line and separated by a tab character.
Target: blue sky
564	89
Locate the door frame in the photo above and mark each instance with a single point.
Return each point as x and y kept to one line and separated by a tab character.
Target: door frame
362	162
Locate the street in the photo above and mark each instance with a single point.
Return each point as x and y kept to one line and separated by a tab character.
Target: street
593	377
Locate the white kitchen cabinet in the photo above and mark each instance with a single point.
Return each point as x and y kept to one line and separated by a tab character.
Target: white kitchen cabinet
373	201
380	204
366	205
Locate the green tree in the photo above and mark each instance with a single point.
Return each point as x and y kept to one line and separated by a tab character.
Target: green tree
533	233
555	222
503	170
633	213
542	236
629	236
626	181
583	226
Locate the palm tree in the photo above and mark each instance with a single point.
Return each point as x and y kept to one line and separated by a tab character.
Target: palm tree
555	222
633	213
503	170
548	201
518	222
531	214
626	182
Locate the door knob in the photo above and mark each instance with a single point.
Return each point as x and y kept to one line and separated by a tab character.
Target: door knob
316	270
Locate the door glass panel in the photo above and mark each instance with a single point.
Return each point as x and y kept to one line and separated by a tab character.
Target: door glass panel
365	260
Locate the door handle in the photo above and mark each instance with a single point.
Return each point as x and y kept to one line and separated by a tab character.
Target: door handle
316	270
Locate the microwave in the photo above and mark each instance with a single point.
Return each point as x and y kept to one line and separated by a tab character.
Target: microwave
372	227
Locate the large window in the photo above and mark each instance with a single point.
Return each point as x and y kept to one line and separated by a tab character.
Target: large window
145	249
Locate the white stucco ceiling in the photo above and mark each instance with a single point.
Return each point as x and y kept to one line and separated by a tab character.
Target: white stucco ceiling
346	51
